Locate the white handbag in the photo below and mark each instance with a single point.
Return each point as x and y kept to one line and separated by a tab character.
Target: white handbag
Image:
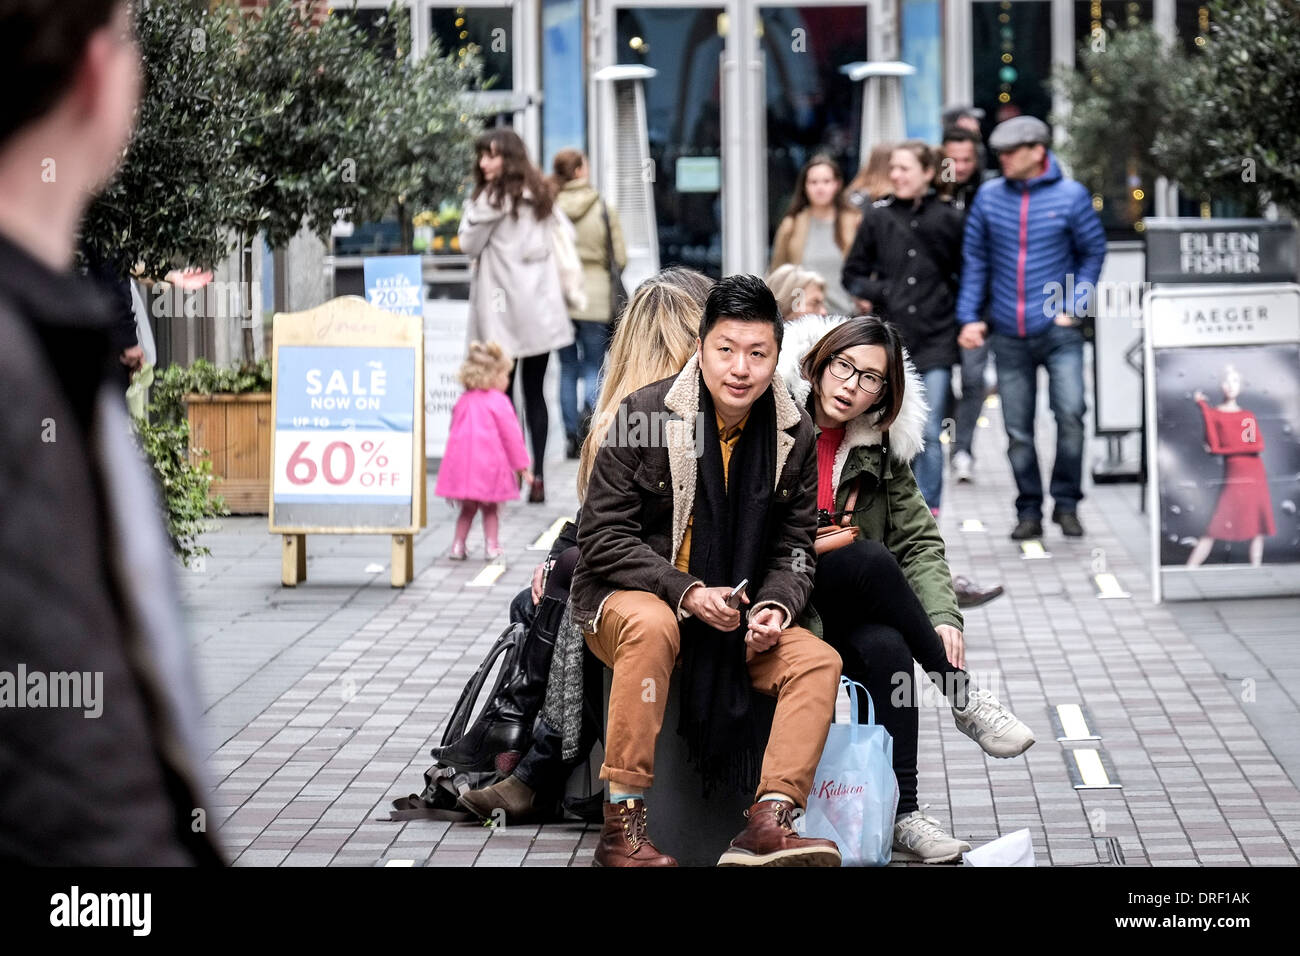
566	259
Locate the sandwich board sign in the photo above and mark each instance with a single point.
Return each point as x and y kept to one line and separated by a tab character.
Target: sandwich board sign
347	450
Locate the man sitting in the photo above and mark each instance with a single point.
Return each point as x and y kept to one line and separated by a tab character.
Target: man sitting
712	482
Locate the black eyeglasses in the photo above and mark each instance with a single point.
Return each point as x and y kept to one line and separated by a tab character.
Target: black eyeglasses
869	382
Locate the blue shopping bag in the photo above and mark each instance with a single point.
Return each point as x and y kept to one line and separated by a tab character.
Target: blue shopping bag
855	794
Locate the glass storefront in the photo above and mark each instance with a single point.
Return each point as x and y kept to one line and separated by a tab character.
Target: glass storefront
1011	51
812	107
488	29
684	122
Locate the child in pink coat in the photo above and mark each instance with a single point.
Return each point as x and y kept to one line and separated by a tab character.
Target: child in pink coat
485	458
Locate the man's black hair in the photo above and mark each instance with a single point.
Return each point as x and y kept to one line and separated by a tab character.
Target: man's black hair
959	134
742	297
41	44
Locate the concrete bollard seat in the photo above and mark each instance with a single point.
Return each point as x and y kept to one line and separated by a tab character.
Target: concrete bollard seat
682	822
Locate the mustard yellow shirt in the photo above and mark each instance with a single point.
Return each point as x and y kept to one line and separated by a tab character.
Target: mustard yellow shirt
727	439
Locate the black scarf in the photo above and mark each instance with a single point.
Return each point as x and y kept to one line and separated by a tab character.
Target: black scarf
728	544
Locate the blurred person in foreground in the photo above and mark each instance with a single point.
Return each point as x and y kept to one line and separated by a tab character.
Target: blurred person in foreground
99	739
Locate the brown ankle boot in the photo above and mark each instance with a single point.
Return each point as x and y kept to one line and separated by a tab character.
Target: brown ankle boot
624	840
511	795
769	839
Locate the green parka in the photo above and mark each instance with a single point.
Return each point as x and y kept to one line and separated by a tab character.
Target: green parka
890	508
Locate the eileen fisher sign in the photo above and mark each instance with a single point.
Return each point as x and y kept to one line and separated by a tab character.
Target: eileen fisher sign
1220	250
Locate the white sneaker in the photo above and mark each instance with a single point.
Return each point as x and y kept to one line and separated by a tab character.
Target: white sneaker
920	839
962	465
992	726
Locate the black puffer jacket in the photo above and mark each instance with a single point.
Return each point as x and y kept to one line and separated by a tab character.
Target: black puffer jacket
906	259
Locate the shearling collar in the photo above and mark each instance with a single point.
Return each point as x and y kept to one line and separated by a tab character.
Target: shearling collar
683	399
906	434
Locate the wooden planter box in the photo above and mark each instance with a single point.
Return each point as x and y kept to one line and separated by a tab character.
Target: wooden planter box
236	431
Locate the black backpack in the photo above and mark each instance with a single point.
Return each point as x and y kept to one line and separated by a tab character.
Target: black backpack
476	755
449	776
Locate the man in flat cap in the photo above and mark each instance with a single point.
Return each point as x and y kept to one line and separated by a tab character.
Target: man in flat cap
1033	251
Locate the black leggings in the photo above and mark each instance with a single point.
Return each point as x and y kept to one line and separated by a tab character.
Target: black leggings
536	414
873	618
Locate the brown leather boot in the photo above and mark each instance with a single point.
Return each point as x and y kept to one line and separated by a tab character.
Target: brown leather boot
511	796
624	840
769	839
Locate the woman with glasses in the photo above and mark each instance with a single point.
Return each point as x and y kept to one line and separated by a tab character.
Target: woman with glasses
886	600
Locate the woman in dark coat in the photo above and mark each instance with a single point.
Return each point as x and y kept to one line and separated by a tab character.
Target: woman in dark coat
904	266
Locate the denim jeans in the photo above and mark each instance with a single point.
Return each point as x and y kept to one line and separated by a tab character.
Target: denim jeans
1060	350
928	465
973	363
582	360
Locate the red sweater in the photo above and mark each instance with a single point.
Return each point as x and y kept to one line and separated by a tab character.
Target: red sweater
828	443
1227	433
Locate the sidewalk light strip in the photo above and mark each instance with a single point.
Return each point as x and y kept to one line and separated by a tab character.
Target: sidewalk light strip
488	576
972	525
982	422
399	863
1074	726
548	536
1090	771
1033	551
1108	586
992	402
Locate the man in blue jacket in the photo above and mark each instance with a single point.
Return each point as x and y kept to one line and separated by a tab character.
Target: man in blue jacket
1033	251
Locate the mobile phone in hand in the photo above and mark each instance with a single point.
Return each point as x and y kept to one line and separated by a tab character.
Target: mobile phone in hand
733	599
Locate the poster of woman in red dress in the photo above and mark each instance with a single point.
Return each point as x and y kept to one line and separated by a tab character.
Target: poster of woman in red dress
1228	447
1245	508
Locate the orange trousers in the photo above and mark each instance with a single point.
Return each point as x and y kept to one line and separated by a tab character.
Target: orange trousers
639	640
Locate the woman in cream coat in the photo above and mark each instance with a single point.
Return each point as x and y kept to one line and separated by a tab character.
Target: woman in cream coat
515	296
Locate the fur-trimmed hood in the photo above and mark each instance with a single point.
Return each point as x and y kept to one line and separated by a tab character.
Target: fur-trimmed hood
906	434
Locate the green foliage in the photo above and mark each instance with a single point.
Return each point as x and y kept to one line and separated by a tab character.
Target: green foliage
336	124
204	378
165	437
1232	132
185	484
176	188
261	123
1119	97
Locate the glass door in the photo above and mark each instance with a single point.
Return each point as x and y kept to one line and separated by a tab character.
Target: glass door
812	106
730	124
684	125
